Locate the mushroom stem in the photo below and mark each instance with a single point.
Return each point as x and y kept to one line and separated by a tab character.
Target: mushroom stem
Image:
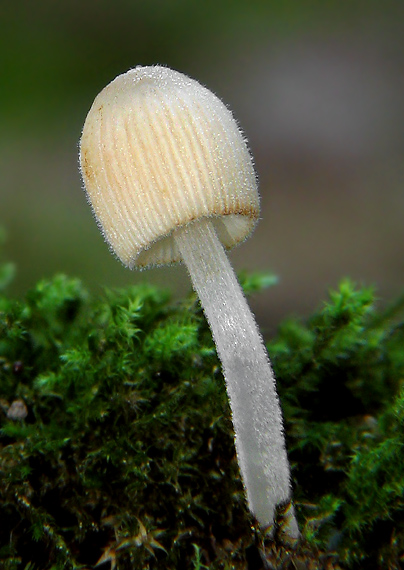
256	412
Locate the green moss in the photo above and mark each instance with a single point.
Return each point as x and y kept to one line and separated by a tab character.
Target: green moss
117	446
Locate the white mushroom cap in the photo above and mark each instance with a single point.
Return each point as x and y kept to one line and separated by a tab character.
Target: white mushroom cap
158	151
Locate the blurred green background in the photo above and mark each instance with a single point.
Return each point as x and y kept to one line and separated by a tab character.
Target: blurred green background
318	88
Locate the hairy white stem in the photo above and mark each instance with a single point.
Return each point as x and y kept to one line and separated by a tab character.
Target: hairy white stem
256	412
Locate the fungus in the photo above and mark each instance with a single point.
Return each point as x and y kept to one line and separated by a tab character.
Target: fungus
169	177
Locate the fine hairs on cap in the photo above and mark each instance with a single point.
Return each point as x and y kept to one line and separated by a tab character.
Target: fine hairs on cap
167	152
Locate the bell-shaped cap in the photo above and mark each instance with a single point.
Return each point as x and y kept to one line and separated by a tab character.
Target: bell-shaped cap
158	151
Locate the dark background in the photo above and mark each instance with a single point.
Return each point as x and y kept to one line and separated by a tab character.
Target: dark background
318	88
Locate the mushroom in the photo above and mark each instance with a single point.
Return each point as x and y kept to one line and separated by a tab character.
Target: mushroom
169	177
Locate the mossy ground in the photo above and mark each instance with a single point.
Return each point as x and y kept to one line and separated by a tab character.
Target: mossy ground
117	446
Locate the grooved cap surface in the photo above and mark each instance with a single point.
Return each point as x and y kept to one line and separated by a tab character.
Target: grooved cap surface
158	151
